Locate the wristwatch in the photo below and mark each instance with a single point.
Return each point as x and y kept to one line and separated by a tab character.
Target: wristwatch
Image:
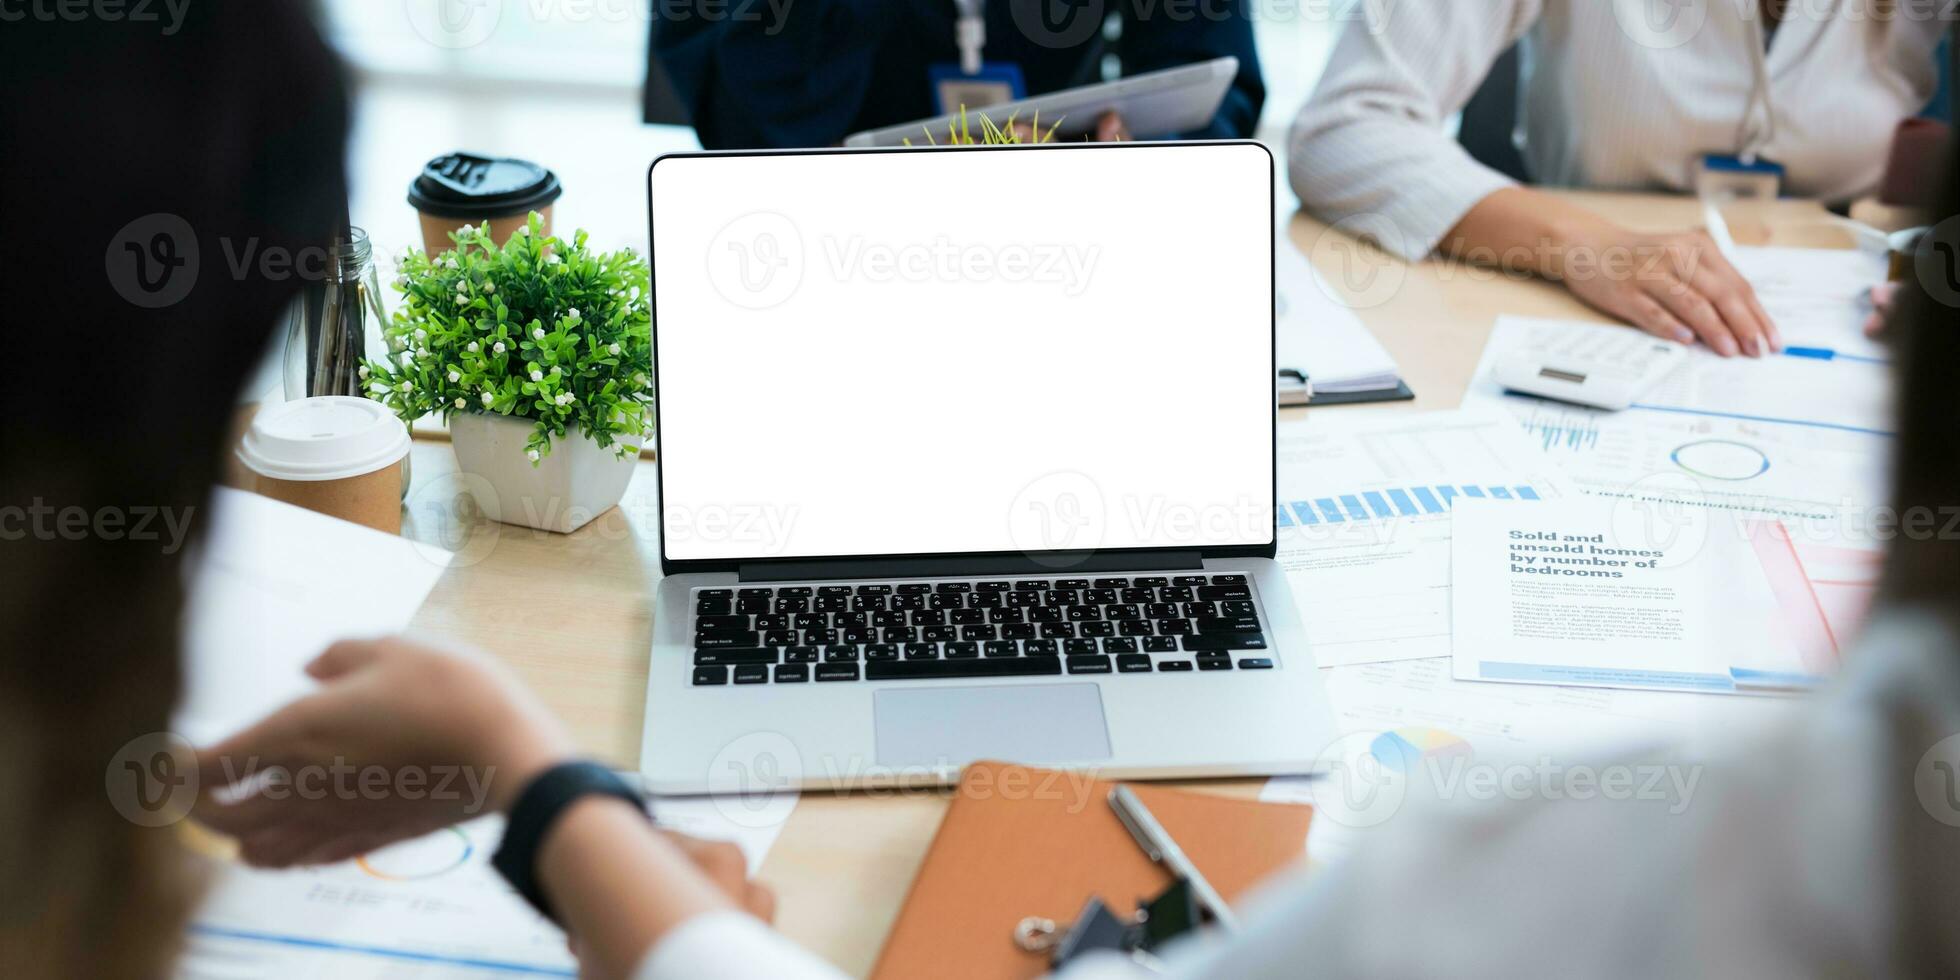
538	808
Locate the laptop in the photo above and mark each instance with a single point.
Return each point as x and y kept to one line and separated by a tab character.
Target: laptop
968	453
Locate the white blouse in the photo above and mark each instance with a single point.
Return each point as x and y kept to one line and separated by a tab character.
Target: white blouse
1616	94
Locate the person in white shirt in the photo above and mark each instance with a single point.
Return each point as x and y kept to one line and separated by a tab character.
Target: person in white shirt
1828	846
1616	94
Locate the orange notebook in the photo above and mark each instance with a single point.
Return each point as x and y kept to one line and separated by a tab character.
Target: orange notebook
1020	842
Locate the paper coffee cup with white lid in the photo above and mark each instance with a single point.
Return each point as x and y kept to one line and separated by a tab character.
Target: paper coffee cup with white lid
338	455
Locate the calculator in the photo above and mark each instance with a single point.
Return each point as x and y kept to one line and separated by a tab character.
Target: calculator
1596	365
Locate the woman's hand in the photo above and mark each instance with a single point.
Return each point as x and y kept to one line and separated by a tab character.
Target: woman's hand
400	740
1678	286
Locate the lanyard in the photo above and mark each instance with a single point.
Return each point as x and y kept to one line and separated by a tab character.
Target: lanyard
970	33
1750	135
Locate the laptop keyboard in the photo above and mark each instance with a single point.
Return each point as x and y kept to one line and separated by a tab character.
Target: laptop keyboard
794	634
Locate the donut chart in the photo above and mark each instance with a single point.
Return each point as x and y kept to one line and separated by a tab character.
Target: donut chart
424	857
1721	459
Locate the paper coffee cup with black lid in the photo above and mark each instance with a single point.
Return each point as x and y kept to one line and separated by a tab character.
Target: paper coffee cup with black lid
466	189
335	454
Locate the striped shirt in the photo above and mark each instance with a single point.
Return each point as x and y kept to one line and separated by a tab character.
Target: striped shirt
1616	94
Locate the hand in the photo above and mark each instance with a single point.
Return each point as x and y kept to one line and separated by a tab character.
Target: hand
1679	287
1883	297
400	740
723	864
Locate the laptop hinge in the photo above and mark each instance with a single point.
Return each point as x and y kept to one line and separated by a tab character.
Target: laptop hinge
1048	563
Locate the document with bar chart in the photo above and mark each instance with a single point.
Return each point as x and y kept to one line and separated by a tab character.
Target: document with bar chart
1364	529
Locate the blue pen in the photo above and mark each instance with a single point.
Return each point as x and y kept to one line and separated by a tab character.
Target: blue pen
1827	354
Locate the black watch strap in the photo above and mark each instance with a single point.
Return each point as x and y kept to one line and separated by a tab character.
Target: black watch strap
538	808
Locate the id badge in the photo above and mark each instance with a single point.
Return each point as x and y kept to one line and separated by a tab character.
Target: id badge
994	83
1727	178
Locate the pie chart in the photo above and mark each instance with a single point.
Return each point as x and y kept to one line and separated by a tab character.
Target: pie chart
424	857
1400	750
1721	459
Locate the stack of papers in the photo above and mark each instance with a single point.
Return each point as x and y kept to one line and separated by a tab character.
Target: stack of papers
1321	339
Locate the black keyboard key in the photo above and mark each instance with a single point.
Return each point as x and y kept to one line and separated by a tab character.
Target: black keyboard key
967	617
781	638
929	617
753	593
1160	644
1188	580
1255	663
1176	627
800	655
1001	648
712	623
856	634
867	603
979	633
1033	585
819	638
830	603
1027	598
941	669
915	588
901	634
1119	644
1089	665
1221	642
1071	583
714	594
1019	631
713	607
937	634
774	621
1078	614
752	674
1040	648
1229	624
724	639
794	592
1134	627
1197	610
1006	615
922	651
704	676
874	590
1237	607
1057	631
1099	597
1177	594
810	621
1060	597
1151	582
1112	583
1099	627
792	674
881	651
1120	613
1228	580
834	590
953	587
962	651
1173	666
1214	663
1045	614
986	600
1160	610
1137	595
1224	592
1077	648
844	620
947	600
749	655
907	603
1133	663
837	672
887	619
791	606
993	586
840	654
751	607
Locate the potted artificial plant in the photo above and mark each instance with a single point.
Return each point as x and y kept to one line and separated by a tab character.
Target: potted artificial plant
537	354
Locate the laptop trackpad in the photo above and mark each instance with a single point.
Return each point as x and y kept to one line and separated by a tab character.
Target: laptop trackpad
1033	724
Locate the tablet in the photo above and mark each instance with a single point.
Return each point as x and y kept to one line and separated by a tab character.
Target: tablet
1153	105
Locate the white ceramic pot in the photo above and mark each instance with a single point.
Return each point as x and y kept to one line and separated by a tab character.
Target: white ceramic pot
577	482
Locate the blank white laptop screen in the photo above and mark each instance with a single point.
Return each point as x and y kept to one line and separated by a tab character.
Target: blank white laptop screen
920	352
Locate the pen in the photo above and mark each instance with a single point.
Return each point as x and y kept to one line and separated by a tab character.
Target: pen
1161	849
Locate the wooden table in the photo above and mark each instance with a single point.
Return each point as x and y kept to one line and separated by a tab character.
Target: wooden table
572	613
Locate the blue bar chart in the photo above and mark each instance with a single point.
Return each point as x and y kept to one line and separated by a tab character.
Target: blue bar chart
1390	503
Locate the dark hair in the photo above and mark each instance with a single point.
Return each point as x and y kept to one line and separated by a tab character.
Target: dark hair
1922	566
